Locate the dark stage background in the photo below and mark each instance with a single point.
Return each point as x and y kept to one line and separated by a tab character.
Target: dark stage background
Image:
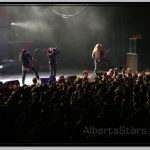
75	30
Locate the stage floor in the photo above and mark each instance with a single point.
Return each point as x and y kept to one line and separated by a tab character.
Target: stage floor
30	75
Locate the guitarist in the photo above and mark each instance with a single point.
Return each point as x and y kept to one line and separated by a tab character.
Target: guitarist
98	56
25	58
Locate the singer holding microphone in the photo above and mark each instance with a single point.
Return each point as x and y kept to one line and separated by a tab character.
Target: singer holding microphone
52	52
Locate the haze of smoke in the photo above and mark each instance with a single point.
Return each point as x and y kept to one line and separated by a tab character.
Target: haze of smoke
33	26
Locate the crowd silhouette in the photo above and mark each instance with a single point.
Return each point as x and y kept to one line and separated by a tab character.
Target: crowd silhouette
60	111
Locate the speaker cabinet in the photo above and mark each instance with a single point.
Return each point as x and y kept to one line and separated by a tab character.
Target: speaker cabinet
45	80
12	83
132	61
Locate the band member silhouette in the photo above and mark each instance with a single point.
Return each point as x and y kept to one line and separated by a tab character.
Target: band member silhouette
99	57
27	64
52	52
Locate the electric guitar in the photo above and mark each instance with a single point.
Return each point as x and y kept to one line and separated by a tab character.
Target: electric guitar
104	56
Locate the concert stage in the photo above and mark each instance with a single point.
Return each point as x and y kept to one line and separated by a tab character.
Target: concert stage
10	77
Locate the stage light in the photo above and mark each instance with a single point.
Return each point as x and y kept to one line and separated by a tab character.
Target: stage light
1	67
12	23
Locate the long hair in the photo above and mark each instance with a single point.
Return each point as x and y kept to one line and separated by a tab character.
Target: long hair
21	55
97	51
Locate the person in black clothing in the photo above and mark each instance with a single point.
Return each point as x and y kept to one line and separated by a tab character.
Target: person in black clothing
25	58
97	54
52	52
99	57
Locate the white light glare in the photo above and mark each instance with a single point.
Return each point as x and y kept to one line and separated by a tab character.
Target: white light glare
12	23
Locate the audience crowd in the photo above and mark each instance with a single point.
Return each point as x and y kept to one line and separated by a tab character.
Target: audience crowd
77	110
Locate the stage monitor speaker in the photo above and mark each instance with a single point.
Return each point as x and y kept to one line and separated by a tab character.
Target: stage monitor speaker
12	83
1	83
132	61
44	80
